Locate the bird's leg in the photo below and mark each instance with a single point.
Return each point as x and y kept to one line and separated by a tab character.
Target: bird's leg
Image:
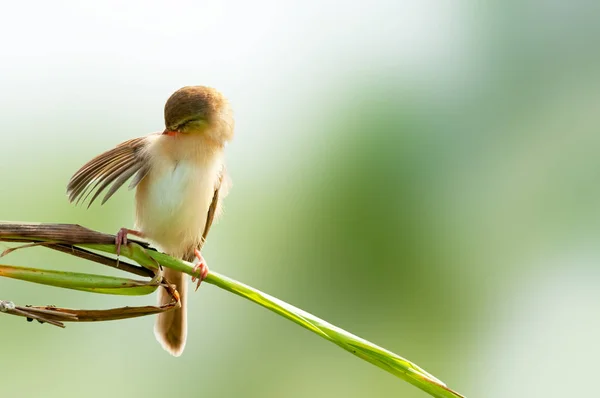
201	268
121	238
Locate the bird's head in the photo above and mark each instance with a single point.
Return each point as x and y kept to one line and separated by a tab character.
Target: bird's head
199	110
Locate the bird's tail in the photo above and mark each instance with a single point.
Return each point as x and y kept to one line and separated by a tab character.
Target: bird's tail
171	326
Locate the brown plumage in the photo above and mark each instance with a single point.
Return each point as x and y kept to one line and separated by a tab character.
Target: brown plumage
180	180
113	166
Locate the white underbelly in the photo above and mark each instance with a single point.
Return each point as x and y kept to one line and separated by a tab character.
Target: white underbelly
175	205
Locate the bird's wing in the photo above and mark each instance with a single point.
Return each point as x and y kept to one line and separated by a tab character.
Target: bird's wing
221	190
111	167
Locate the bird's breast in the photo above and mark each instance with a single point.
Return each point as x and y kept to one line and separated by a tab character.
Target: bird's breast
172	202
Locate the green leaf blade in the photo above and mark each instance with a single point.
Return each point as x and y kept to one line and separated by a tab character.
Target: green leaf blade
80	281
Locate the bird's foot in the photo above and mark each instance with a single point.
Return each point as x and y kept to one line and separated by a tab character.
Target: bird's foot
201	269
121	238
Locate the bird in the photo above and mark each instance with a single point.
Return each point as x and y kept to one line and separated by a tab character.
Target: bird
180	180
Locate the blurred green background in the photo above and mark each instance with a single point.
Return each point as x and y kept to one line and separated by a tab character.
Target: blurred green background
424	174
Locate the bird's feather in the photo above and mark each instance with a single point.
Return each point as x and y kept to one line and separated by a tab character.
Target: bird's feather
221	188
114	167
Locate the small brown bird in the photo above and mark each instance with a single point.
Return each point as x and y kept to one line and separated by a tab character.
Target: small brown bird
180	180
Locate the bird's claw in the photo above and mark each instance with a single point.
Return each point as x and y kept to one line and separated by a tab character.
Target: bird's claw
121	239
200	269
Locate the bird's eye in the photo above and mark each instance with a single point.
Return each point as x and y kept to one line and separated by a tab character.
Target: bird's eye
192	126
185	125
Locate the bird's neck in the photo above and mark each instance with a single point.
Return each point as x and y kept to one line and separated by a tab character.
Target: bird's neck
195	148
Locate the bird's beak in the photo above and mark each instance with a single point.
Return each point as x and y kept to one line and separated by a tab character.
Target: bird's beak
169	133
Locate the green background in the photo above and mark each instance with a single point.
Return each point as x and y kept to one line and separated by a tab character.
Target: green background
424	174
